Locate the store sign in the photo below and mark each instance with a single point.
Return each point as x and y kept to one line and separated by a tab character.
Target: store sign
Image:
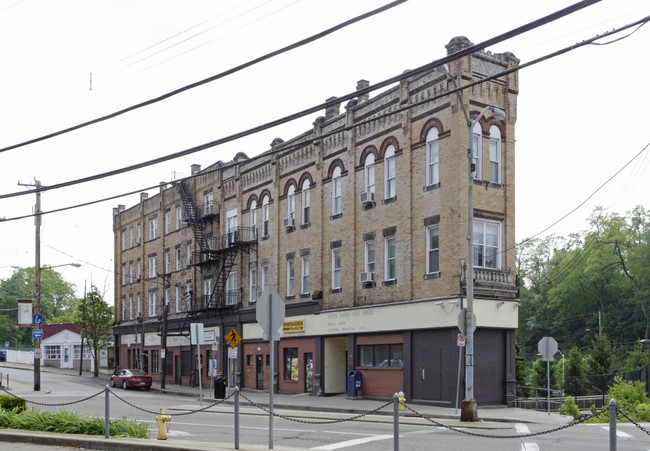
293	326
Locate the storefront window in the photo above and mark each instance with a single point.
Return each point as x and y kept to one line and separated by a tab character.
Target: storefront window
291	364
380	355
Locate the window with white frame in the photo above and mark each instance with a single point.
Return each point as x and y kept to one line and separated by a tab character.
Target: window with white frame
123	308
487	244
291	278
188	294
179	218
477	149
178	258
168	261
168	221
52	352
337	192
433	163
131	306
495	154
231	289
131	237
369	254
140	232
138	274
390	173
131	275
369	174
291	202
153	266
188	252
179	296
265	276
153	228
252	285
336	268
306	203
390	259
252	220
139	311
304	286
124	239
168	295
207	291
208	208
124	274
153	303
433	250
265	216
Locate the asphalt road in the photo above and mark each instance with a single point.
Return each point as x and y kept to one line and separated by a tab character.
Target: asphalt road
373	433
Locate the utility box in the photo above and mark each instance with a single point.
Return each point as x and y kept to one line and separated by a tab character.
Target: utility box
355	383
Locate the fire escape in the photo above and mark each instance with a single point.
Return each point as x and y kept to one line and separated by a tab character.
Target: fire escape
217	255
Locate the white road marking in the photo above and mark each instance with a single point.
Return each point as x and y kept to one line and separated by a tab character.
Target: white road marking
521	428
174	433
529	446
357	441
619	433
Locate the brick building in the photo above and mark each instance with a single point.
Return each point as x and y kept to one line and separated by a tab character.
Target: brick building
360	225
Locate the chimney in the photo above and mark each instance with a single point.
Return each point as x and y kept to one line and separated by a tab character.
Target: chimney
362	84
196	168
332	110
143	197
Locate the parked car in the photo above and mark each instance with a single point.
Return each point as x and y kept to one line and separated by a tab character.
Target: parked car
131	379
3	355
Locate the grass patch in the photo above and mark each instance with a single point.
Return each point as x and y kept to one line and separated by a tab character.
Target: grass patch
70	422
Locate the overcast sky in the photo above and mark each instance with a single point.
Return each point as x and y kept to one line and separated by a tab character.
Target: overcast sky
581	116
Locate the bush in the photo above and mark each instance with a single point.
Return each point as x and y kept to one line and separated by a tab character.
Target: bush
569	407
70	422
630	398
8	402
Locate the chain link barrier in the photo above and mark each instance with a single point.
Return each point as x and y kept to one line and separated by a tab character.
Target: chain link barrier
476	434
61	404
632	421
189	412
298	420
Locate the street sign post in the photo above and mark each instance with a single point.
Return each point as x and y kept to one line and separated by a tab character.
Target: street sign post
37	320
37	333
270	314
547	347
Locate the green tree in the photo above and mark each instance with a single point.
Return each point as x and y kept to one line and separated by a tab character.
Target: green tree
635	358
95	316
599	362
574	368
58	302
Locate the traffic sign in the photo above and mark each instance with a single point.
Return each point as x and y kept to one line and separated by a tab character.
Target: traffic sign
38	353
270	304
37	333
233	338
461	340
461	321
547	347
37	320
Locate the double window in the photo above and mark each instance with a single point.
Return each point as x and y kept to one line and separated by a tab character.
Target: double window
231	289
153	266
153	303
153	228
487	244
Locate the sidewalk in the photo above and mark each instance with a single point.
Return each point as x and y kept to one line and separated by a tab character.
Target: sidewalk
294	405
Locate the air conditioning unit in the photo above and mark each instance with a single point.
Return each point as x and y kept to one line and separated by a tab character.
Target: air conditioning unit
367	198
187	261
288	223
366	277
136	242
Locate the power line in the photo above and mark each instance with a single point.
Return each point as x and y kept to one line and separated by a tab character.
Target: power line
427	67
218	76
307	142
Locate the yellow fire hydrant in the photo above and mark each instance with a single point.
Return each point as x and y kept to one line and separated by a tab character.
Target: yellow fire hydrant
162	419
401	400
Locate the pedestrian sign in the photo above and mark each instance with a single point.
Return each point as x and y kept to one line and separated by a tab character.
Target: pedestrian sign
233	338
37	320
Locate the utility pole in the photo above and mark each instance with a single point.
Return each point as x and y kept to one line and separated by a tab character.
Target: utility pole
37	279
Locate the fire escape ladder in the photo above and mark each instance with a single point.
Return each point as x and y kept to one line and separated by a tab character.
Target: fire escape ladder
218	298
192	217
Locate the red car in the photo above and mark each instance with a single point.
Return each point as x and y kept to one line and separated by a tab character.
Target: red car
131	379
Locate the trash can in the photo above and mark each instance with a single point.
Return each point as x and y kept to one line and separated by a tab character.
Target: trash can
355	383
219	388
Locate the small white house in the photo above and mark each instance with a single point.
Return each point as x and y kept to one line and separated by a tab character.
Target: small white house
61	347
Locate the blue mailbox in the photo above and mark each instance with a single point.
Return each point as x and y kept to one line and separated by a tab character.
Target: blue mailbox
355	383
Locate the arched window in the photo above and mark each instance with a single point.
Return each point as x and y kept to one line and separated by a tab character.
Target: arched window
390	173
369	171
291	202
306	202
265	216
252	219
477	149
495	155
337	192
433	163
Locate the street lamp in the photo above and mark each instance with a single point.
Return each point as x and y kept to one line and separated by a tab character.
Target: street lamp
37	303
468	406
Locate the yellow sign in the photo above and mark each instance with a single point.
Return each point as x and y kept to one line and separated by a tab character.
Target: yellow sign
233	338
294	326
